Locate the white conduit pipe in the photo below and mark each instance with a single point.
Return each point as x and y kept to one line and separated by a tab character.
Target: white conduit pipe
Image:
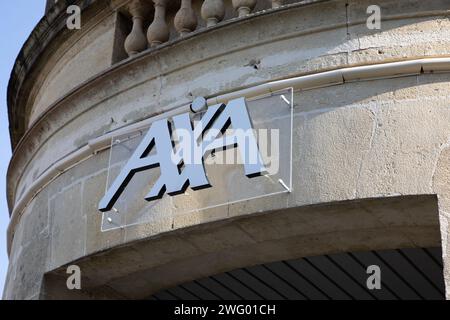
323	79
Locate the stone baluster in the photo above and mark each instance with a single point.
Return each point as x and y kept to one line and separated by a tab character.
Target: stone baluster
185	19
277	3
159	32
213	11
244	7
136	41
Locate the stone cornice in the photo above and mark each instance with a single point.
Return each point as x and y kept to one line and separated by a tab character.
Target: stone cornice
50	26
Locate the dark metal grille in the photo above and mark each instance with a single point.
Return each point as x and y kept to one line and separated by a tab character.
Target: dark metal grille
406	274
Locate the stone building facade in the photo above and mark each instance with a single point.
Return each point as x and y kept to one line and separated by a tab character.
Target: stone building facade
370	145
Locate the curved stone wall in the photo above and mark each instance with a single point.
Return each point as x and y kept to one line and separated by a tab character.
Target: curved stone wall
355	142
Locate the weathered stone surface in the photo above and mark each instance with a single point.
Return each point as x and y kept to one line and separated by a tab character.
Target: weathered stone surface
327	166
68	225
402	156
93	190
37	220
187	219
219	239
30	265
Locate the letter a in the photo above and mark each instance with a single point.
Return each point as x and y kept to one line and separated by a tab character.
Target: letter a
74	281
374	280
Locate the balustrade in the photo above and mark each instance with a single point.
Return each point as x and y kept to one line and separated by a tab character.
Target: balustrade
182	17
136	40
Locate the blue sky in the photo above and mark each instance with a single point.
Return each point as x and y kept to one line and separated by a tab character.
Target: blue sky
18	20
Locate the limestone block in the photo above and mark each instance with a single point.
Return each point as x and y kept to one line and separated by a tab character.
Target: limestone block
162	250
357	9
399	40
329	147
441	180
264	204
68	226
36	219
187	219
402	156
158	223
222	237
30	267
93	191
306	221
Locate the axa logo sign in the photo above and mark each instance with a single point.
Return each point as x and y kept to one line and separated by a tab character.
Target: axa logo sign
179	148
